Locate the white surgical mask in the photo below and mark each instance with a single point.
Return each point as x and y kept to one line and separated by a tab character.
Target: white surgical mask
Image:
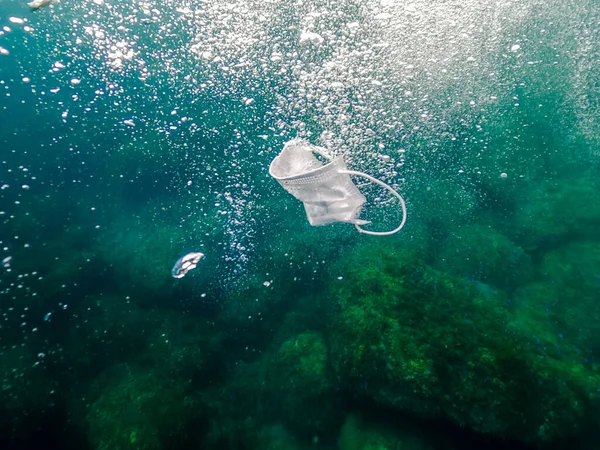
326	190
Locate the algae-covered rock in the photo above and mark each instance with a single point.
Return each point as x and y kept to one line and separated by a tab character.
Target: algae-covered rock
277	437
558	331
360	434
570	280
419	340
300	363
136	409
298	386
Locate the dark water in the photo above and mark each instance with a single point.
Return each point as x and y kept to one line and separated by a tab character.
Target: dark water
134	133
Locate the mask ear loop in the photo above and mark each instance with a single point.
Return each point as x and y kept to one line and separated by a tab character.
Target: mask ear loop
389	188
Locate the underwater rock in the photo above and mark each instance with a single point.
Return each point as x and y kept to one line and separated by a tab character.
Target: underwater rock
277	437
133	408
429	343
360	434
570	276
301	364
298	384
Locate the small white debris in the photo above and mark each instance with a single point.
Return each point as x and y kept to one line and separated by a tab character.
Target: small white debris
189	183
37	4
503	175
6	262
249	101
75	81
185	264
129	122
267	283
17	20
3	51
470	59
515	47
25	186
26	80
59	65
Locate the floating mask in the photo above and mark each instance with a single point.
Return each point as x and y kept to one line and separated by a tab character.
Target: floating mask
326	190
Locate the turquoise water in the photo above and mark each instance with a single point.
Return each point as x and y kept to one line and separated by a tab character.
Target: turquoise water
134	133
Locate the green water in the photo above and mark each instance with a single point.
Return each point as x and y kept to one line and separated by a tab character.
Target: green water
134	133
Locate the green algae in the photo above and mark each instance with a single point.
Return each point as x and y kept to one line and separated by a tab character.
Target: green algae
427	342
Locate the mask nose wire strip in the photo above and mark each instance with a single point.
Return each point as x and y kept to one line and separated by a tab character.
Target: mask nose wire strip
389	188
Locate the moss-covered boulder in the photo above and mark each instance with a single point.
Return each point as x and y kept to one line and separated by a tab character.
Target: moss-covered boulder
419	340
277	437
360	434
297	385
301	364
567	292
138	409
